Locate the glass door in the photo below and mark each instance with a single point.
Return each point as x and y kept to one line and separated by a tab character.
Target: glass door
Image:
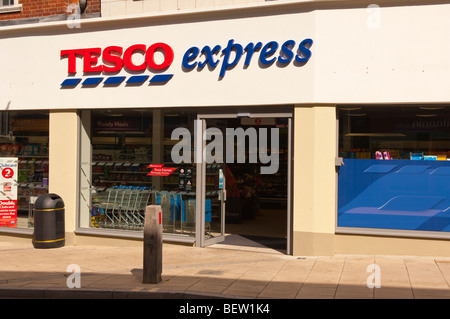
223	143
211	182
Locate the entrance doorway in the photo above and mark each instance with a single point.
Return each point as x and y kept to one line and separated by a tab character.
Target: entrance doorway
245	178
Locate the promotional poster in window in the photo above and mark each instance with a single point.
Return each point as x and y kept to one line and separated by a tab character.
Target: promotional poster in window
8	191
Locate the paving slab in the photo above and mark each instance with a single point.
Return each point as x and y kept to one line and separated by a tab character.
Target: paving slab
228	272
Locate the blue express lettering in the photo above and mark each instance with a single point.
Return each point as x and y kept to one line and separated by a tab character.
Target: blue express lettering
229	56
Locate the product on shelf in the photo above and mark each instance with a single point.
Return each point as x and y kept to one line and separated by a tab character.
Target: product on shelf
416	156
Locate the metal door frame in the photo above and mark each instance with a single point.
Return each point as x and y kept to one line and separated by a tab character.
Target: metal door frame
201	174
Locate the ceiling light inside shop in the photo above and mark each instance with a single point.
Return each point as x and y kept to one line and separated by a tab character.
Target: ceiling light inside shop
426	115
111	113
357	114
377	134
349	108
432	108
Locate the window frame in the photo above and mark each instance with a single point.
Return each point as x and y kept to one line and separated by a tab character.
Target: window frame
11	8
39	158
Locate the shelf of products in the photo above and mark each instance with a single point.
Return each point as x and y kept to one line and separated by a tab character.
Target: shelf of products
24	143
394	132
33	165
393	154
116	164
124	160
108	173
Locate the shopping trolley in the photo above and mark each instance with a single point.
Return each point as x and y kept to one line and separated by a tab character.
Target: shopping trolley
121	207
105	209
133	203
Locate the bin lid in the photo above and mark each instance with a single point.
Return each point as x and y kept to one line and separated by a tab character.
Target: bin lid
49	201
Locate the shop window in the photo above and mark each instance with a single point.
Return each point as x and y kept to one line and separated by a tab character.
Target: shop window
396	168
9	6
5	3
24	165
127	165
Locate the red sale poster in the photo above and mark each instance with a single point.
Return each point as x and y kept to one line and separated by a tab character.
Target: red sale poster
8	191
8	213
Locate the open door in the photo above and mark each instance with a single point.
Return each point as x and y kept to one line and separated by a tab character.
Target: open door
220	162
211	188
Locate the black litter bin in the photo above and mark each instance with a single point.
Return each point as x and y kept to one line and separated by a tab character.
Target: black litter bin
49	225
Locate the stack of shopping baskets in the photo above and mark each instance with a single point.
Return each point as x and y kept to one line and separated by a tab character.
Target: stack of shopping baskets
120	207
178	212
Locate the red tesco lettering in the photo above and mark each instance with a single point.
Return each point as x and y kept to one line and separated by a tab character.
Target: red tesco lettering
115	58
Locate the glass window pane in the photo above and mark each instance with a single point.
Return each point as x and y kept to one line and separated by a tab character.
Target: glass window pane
396	168
131	166
24	165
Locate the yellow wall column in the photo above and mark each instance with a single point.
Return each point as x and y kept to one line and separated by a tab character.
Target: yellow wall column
314	181
63	160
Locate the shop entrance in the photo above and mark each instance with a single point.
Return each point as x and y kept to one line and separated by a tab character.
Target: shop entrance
244	179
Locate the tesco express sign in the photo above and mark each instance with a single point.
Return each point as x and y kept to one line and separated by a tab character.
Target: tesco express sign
116	58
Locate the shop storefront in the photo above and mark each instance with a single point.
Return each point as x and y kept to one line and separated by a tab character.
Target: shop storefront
322	125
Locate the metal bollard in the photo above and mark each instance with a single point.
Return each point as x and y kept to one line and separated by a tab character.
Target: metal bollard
152	245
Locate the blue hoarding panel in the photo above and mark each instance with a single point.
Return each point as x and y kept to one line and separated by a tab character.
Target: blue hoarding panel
394	194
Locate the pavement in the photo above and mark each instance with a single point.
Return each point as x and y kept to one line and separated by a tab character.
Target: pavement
222	271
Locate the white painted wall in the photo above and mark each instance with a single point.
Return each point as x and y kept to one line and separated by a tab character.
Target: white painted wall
389	54
112	8
404	60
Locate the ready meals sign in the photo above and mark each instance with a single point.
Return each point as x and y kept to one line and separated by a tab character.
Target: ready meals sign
142	62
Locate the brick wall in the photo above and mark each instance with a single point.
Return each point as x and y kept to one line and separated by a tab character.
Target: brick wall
48	8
